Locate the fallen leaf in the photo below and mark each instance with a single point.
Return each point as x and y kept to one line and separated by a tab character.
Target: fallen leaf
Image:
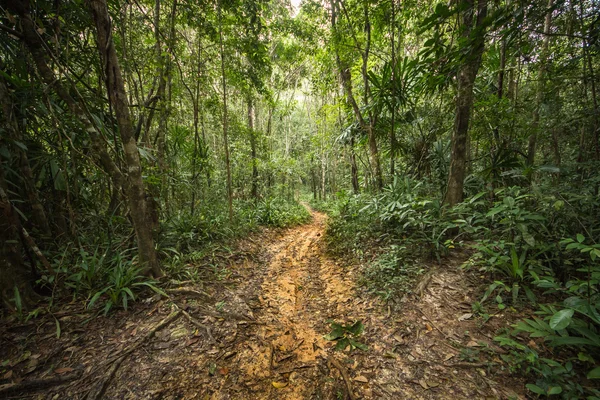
399	339
279	385
64	370
472	343
423	384
8	375
465	317
429	327
223	371
361	378
432	384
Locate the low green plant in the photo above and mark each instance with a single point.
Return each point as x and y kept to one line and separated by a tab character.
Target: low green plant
346	335
123	281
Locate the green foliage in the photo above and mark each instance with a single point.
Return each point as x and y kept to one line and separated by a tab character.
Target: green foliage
280	213
392	274
346	335
122	282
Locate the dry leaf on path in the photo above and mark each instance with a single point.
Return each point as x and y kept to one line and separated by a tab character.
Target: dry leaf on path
279	385
61	371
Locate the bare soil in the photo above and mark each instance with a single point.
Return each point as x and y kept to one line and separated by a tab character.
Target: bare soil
257	333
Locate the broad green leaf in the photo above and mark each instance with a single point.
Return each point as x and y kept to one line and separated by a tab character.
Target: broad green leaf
580	238
561	319
554	390
335	334
342	344
535	388
357	328
594	374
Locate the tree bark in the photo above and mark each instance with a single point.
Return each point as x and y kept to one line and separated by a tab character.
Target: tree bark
118	99
225	120
346	79
252	134
541	85
473	33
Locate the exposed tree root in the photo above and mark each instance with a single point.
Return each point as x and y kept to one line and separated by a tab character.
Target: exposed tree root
331	360
98	392
30	386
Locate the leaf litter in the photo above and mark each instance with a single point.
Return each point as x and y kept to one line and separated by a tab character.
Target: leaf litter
261	334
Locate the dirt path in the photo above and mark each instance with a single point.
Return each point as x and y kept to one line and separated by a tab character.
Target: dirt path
258	334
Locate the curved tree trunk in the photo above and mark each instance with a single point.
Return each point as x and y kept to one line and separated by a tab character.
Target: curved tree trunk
118	99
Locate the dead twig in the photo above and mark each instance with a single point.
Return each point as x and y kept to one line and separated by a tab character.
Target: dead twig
30	386
187	291
292	369
98	393
198	324
469	365
332	361
432	323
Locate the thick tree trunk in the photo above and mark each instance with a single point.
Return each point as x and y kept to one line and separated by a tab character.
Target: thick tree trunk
464	98
118	98
541	85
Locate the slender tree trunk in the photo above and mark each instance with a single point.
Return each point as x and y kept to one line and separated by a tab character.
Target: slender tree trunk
225	121
541	85
500	83
354	168
253	148
373	150
392	129
346	79
464	98
118	98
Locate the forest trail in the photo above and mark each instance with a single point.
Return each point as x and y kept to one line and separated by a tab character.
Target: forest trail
258	333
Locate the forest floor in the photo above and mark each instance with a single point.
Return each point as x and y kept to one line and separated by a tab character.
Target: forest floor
257	333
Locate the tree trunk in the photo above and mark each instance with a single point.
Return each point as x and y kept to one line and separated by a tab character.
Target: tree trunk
354	168
225	121
373	150
393	122
253	148
541	85
346	79
464	98
118	98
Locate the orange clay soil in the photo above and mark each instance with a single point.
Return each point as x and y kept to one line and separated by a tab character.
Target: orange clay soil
257	333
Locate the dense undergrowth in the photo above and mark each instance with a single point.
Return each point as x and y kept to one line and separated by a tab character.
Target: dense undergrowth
101	269
537	244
